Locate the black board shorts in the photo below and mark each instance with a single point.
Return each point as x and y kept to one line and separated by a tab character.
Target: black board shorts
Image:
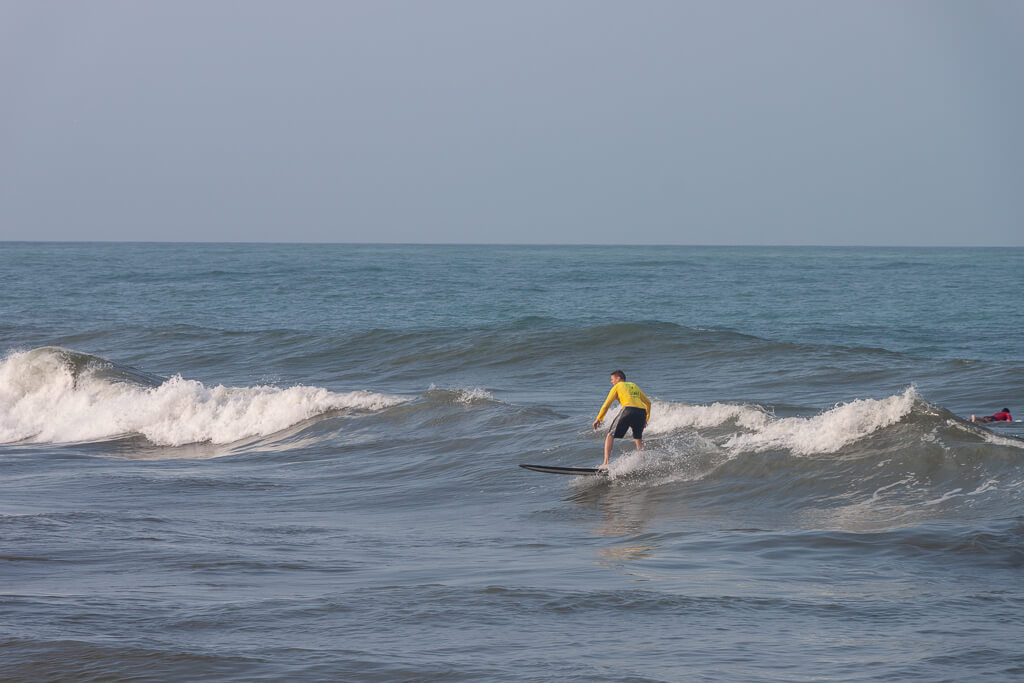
629	417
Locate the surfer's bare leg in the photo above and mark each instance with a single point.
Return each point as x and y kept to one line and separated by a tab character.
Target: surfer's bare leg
608	441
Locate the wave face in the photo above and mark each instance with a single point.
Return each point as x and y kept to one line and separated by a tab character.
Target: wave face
870	464
867	450
54	395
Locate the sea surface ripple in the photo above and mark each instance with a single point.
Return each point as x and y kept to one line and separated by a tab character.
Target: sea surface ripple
299	462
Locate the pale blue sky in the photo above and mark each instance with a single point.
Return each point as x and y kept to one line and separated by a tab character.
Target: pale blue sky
725	122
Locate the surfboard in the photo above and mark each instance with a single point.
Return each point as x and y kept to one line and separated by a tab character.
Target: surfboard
584	471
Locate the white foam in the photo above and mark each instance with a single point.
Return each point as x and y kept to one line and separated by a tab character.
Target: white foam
473	395
990	485
650	467
998	440
760	431
465	395
876	496
671	417
831	430
955	493
43	400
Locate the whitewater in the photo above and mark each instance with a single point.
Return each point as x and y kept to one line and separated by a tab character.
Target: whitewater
299	462
92	400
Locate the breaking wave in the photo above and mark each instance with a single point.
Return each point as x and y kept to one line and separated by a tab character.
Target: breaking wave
759	430
54	395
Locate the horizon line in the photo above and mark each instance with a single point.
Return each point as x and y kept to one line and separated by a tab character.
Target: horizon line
513	244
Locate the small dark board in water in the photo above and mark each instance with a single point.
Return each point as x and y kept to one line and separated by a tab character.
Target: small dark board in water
585	471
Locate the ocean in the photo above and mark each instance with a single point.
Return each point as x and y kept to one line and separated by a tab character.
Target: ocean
270	462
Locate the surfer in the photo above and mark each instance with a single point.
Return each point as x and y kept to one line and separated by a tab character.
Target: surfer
1002	416
635	413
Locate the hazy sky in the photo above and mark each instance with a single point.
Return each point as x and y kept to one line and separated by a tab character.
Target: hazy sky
719	122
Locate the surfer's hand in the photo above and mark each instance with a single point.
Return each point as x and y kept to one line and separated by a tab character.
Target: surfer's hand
597	423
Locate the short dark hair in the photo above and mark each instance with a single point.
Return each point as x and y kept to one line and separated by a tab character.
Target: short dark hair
1006	410
620	374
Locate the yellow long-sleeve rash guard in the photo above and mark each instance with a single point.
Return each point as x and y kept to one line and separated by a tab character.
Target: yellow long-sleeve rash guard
629	395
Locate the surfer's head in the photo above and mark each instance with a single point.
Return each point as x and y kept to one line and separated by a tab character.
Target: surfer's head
618	375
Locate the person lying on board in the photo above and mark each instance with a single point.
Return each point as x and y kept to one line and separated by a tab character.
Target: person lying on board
1002	416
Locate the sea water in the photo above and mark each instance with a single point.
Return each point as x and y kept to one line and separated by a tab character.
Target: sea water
299	462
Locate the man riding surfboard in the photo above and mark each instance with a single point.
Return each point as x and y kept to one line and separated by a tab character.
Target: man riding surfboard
635	413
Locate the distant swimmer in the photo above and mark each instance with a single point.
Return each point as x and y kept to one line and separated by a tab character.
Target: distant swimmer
1002	416
635	413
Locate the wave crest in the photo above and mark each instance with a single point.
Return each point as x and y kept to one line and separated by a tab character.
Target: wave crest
760	431
53	395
